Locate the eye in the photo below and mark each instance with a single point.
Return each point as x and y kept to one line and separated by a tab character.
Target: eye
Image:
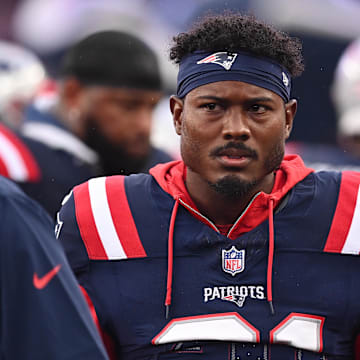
258	108
210	106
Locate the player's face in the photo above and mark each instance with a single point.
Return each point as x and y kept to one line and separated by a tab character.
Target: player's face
232	132
121	117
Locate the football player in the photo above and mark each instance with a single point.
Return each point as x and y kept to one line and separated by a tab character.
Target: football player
94	120
236	251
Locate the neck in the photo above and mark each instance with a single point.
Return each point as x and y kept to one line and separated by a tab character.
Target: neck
219	208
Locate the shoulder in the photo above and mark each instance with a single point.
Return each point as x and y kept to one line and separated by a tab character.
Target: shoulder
9	189
104	215
95	218
24	223
342	179
13	197
17	161
328	180
339	188
96	221
48	131
344	232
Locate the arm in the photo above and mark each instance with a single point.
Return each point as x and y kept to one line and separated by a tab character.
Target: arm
68	233
44	315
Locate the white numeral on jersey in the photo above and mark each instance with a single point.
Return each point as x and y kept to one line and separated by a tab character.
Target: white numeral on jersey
301	331
228	326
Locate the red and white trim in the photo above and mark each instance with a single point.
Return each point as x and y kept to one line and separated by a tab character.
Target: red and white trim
16	160
105	220
344	235
221	327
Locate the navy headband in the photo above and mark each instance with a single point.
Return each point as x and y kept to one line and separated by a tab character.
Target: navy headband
200	68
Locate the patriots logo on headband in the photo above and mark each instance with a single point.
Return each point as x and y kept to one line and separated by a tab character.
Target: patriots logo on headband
285	79
225	59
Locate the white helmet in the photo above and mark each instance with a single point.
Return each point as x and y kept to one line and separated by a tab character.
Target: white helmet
21	73
345	90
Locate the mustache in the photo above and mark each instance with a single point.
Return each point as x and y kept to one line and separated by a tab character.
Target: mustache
234	145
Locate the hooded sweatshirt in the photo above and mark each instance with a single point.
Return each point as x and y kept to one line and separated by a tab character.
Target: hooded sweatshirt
164	281
172	176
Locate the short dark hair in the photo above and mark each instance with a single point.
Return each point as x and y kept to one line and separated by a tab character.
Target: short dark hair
113	58
233	32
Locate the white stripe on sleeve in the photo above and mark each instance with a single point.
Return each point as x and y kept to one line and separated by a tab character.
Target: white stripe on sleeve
352	242
103	219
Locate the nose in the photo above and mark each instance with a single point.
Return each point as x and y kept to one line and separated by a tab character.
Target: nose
236	127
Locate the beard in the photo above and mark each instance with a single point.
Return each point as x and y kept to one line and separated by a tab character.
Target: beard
232	187
114	158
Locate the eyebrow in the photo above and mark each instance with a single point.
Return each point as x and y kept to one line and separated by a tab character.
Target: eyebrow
209	97
260	99
252	100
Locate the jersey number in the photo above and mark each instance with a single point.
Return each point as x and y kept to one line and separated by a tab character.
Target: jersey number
298	330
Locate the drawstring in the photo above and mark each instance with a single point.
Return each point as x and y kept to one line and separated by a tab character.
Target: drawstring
270	256
170	258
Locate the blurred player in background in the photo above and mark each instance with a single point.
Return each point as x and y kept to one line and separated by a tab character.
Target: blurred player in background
43	313
99	120
21	75
345	94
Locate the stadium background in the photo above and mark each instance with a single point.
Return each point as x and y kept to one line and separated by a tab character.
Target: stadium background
326	27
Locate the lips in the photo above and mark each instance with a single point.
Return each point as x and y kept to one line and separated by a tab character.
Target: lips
234	162
234	153
234	157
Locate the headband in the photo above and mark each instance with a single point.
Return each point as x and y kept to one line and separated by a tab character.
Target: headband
200	68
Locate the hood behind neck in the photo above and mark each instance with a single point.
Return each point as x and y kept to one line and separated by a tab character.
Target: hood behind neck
171	178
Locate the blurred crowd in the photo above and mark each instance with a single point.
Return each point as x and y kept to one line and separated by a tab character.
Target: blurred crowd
35	36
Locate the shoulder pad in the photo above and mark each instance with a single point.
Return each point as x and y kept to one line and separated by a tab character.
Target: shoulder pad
105	221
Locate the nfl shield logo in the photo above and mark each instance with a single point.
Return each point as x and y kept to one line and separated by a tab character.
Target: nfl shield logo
233	260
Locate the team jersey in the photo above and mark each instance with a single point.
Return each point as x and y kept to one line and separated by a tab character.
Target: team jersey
43	313
166	283
45	168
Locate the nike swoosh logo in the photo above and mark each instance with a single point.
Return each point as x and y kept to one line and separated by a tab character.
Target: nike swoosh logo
41	282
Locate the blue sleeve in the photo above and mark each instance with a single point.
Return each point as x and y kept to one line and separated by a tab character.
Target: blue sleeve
43	313
68	233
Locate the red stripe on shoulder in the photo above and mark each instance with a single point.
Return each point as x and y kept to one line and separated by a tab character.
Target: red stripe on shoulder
3	168
86	223
122	218
344	211
32	167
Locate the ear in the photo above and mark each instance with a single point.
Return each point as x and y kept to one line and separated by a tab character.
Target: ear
71	92
177	108
290	111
